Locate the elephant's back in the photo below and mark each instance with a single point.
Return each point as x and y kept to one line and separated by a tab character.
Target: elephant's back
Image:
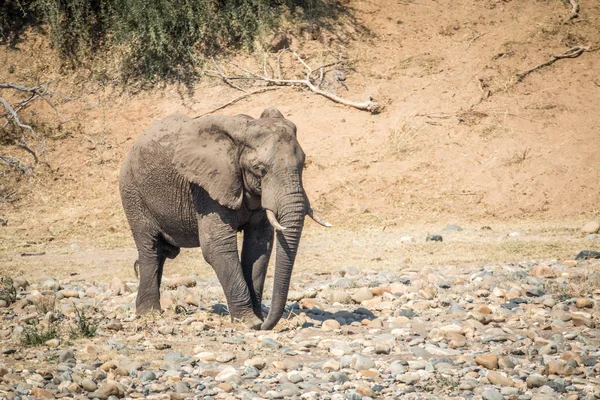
150	181
154	147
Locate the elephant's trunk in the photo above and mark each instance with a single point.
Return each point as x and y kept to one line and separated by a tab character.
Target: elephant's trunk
290	213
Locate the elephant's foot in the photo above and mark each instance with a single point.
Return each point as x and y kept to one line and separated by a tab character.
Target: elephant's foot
250	320
148	307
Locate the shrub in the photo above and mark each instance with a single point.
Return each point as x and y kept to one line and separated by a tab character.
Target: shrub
85	327
35	335
163	38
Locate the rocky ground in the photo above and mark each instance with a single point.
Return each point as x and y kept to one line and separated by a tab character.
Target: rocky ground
516	331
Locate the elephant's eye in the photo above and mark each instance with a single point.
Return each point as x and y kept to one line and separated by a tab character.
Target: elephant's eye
259	170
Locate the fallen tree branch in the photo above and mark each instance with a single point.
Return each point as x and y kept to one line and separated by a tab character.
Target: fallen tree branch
574	10
11	115
247	94
224	77
573	52
312	83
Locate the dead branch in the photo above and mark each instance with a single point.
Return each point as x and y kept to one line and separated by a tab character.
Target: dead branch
225	78
12	117
573	52
574	10
247	94
311	82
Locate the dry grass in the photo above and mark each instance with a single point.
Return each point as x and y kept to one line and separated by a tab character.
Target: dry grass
581	282
518	157
367	247
401	138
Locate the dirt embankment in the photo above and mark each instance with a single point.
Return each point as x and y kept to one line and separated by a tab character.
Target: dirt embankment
460	138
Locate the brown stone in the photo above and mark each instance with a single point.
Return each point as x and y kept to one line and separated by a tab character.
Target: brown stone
489	360
365	391
558	367
580	319
280	365
330	325
39	393
367	373
192	300
456	340
513	293
497	378
380	290
186	281
309	304
110	389
107	366
69	293
376	323
226	387
584	303
543	271
570	263
591	227
482	309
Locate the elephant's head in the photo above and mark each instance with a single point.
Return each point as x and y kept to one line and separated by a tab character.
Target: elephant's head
258	162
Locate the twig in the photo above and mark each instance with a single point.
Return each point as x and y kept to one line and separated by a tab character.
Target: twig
279	76
15	116
224	77
571	53
574	10
247	94
475	37
15	163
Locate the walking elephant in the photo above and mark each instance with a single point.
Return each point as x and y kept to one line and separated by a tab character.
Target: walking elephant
197	182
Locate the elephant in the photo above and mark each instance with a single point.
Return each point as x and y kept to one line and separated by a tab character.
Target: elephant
197	182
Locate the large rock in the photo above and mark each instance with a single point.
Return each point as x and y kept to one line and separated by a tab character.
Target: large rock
591	227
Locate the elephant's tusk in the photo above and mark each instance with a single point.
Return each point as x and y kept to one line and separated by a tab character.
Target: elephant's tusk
317	218
273	220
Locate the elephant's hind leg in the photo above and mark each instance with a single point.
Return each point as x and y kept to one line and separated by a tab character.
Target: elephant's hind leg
153	251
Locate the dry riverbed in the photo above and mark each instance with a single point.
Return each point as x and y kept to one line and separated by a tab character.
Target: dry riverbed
508	331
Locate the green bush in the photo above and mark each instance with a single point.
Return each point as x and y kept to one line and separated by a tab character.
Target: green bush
15	17
85	326
36	335
159	38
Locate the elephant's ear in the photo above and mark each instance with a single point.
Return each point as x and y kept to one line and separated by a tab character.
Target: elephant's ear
207	155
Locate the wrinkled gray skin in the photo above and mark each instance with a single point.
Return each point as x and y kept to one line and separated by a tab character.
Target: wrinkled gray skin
190	183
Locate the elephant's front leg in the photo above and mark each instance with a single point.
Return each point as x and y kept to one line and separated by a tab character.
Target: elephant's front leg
256	252
218	241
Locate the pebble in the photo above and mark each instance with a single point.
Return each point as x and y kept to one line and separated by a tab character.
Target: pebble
492	394
489	361
88	385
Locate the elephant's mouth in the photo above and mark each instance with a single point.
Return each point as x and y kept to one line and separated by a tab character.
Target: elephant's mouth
252	183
